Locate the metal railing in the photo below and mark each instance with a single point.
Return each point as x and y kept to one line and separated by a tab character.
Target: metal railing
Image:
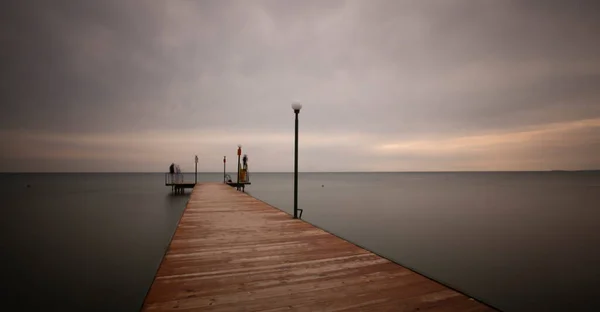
173	178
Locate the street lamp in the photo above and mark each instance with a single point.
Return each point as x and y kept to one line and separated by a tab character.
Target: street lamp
296	106
239	153
196	170
224	167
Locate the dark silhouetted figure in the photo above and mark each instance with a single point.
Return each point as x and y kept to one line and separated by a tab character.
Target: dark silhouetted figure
172	171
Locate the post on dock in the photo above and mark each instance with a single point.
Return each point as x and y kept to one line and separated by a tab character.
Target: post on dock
224	169
296	107
239	153
196	173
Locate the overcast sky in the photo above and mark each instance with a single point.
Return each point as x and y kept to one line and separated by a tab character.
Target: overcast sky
385	85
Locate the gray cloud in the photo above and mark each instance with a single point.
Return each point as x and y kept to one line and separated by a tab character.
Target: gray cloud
388	70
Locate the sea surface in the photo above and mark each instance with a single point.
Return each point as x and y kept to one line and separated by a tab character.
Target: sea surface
520	241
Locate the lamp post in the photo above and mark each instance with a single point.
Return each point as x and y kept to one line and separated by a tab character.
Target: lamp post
239	153
196	170
296	106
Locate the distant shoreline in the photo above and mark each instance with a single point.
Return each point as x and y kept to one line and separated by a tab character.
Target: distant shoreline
304	172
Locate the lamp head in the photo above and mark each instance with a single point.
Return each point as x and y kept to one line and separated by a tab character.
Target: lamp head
296	106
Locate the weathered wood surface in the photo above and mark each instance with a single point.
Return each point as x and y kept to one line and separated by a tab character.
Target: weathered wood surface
232	252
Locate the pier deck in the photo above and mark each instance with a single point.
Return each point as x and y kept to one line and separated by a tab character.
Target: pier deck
232	252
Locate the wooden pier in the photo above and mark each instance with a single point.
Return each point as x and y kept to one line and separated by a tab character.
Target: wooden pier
232	252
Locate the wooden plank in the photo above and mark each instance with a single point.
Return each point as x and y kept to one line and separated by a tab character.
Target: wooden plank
232	252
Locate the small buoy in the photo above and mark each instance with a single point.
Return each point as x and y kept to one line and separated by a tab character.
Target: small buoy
323	185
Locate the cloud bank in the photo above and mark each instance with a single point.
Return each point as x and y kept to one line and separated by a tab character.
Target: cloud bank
386	85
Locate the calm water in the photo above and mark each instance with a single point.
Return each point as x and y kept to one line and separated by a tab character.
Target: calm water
519	241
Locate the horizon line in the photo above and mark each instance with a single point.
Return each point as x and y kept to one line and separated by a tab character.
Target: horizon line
349	171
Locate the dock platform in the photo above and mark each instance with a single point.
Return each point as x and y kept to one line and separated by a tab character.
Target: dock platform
177	184
240	186
179	188
232	252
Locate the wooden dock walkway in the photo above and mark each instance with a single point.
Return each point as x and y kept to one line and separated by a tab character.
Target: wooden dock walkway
232	252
